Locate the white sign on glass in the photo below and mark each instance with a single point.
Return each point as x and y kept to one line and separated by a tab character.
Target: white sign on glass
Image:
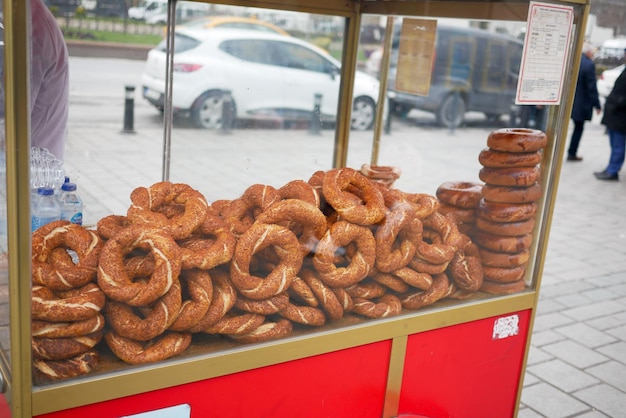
548	37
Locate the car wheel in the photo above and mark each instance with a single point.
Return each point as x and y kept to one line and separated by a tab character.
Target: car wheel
451	112
208	111
363	114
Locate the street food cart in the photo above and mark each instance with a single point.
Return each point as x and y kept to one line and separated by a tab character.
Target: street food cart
462	355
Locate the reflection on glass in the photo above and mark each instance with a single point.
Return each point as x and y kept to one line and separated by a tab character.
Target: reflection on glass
281	73
436	138
244	102
272	63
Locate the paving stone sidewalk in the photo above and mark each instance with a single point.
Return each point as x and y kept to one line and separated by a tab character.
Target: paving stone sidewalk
577	362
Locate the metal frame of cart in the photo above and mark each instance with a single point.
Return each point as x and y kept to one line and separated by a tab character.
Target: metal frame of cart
406	355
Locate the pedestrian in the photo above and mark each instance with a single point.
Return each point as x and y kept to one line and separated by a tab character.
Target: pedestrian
585	100
615	121
49	81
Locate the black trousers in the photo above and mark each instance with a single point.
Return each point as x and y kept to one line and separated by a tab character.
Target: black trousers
575	139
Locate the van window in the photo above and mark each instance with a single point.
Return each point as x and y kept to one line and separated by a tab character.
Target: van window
495	78
515	58
461	53
152	6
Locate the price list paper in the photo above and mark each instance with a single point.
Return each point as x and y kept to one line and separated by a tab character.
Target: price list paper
548	35
416	53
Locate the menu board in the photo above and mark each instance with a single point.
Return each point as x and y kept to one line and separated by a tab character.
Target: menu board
415	56
548	36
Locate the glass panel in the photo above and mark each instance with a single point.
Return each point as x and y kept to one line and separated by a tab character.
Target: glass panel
252	105
270	72
257	104
439	139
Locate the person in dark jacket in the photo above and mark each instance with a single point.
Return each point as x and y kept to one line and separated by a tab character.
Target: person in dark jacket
615	121
585	100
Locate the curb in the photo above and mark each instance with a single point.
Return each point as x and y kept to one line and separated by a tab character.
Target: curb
107	50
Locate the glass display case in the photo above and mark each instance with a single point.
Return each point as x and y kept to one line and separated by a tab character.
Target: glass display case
335	208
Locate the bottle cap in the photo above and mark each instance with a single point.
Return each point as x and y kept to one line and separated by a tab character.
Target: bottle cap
68	187
45	191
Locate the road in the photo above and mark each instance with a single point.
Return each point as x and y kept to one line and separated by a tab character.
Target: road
97	92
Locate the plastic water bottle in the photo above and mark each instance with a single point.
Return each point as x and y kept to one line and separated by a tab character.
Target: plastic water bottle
45	209
71	204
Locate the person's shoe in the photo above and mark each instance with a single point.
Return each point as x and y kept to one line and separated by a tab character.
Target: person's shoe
606	176
574	158
596	173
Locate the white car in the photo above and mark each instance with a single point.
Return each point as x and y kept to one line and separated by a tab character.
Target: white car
269	76
607	80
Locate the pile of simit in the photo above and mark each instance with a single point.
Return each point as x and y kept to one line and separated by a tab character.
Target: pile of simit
253	268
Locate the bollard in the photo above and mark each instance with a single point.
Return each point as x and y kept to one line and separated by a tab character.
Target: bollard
316	124
228	114
129	110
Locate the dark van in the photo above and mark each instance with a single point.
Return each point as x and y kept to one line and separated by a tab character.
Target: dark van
474	71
